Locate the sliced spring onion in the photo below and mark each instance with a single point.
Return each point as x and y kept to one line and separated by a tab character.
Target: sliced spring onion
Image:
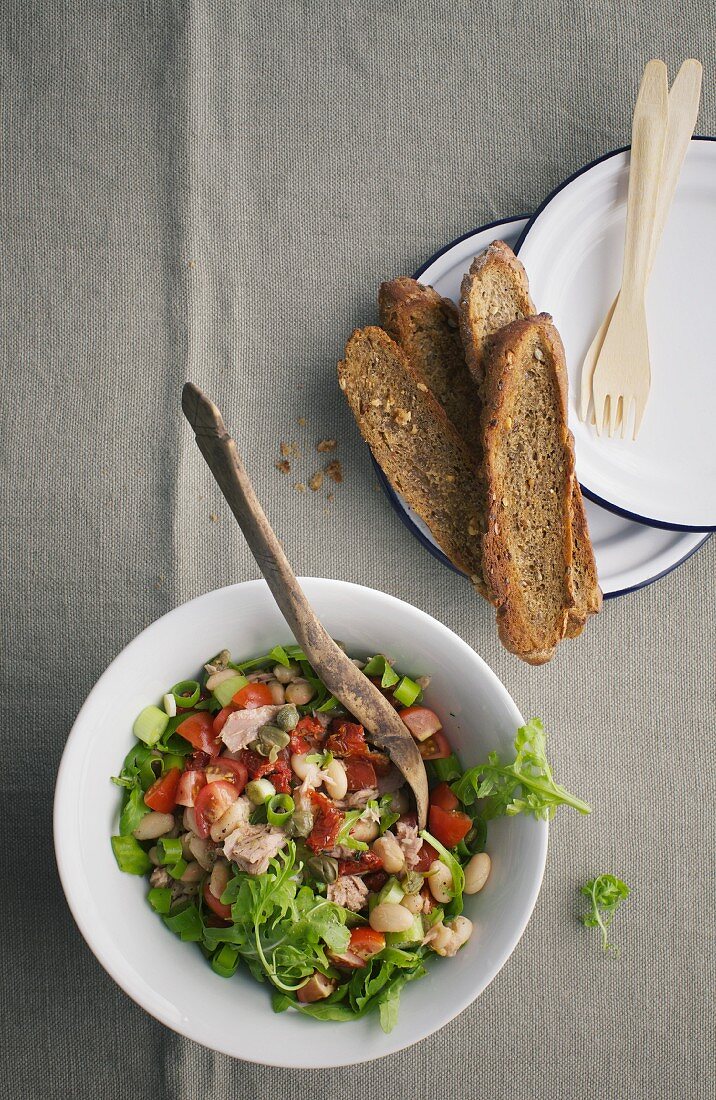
186	924
226	961
150	724
448	769
131	857
169	849
259	790
279	809
186	693
170	705
178	869
226	690
160	899
407	691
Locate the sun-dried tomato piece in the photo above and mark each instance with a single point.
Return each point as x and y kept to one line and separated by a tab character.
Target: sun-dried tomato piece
362	865
346	739
375	881
360	773
326	824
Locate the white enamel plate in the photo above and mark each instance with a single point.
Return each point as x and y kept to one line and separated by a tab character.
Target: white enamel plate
629	555
572	251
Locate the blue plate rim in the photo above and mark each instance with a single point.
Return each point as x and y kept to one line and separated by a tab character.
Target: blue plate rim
392	495
590	493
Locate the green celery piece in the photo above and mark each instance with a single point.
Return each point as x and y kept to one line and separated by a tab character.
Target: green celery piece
407	692
226	961
414	934
149	725
226	690
131	857
391	891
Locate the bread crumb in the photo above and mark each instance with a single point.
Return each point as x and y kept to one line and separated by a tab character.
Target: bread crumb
422	387
316	481
289	449
402	417
508	422
284	466
300	487
213	517
302	422
326	445
472	527
375	402
335	471
329	496
450	478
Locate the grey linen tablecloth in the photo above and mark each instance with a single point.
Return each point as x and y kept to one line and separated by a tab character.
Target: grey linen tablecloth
214	191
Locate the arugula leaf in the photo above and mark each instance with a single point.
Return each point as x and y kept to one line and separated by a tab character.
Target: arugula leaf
134	809
388	817
605	893
344	838
525	785
454	907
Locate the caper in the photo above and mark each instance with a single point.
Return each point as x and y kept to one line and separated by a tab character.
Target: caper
323	868
270	741
299	824
411	882
287	718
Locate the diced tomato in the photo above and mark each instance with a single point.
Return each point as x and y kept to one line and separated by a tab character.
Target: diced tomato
448	826
421	722
212	801
216	906
220	719
365	941
191	782
443	797
360	773
196	759
233	771
364	863
162	795
198	730
252	696
346	739
436	747
375	881
326	824
426	856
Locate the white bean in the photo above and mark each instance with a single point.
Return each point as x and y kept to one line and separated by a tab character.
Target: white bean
154	856
202	852
365	830
299	692
413	903
193	873
440	882
189	820
229	820
217	678
390	852
285	675
185	846
300	765
219	878
278	695
153	826
476	873
336	781
390	917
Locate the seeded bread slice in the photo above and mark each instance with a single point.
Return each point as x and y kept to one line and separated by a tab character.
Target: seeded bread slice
416	446
529	470
494	293
426	328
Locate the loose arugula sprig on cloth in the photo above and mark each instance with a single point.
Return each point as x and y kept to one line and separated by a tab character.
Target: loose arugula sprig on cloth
605	893
525	785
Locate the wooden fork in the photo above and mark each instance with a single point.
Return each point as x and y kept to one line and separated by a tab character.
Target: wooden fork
622	373
683	109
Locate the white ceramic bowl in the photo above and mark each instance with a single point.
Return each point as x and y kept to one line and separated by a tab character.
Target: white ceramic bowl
171	979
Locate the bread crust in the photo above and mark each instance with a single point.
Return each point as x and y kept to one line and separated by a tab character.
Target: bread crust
528	544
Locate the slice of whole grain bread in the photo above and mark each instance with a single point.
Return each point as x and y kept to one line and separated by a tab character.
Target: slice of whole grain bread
494	293
426	328
416	445
529	471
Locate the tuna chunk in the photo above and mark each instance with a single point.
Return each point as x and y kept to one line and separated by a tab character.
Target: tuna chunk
241	727
349	891
391	782
252	846
409	841
356	800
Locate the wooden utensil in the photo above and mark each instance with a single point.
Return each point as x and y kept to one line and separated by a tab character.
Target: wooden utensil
622	373
683	109
347	683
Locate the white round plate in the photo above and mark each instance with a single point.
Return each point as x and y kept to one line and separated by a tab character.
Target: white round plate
171	979
628	555
572	251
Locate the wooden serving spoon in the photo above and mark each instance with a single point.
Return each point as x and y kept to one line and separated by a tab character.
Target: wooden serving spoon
346	682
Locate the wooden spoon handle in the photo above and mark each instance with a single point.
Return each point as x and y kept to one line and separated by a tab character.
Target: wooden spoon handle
340	675
647	151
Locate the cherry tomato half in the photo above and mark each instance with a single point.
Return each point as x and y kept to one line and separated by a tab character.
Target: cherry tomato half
421	722
365	941
426	856
252	696
436	747
443	797
216	906
220	718
212	801
448	826
162	795
233	771
198	730
191	782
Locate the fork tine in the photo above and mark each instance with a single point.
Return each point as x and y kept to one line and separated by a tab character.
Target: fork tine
600	403
615	405
639	406
626	409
